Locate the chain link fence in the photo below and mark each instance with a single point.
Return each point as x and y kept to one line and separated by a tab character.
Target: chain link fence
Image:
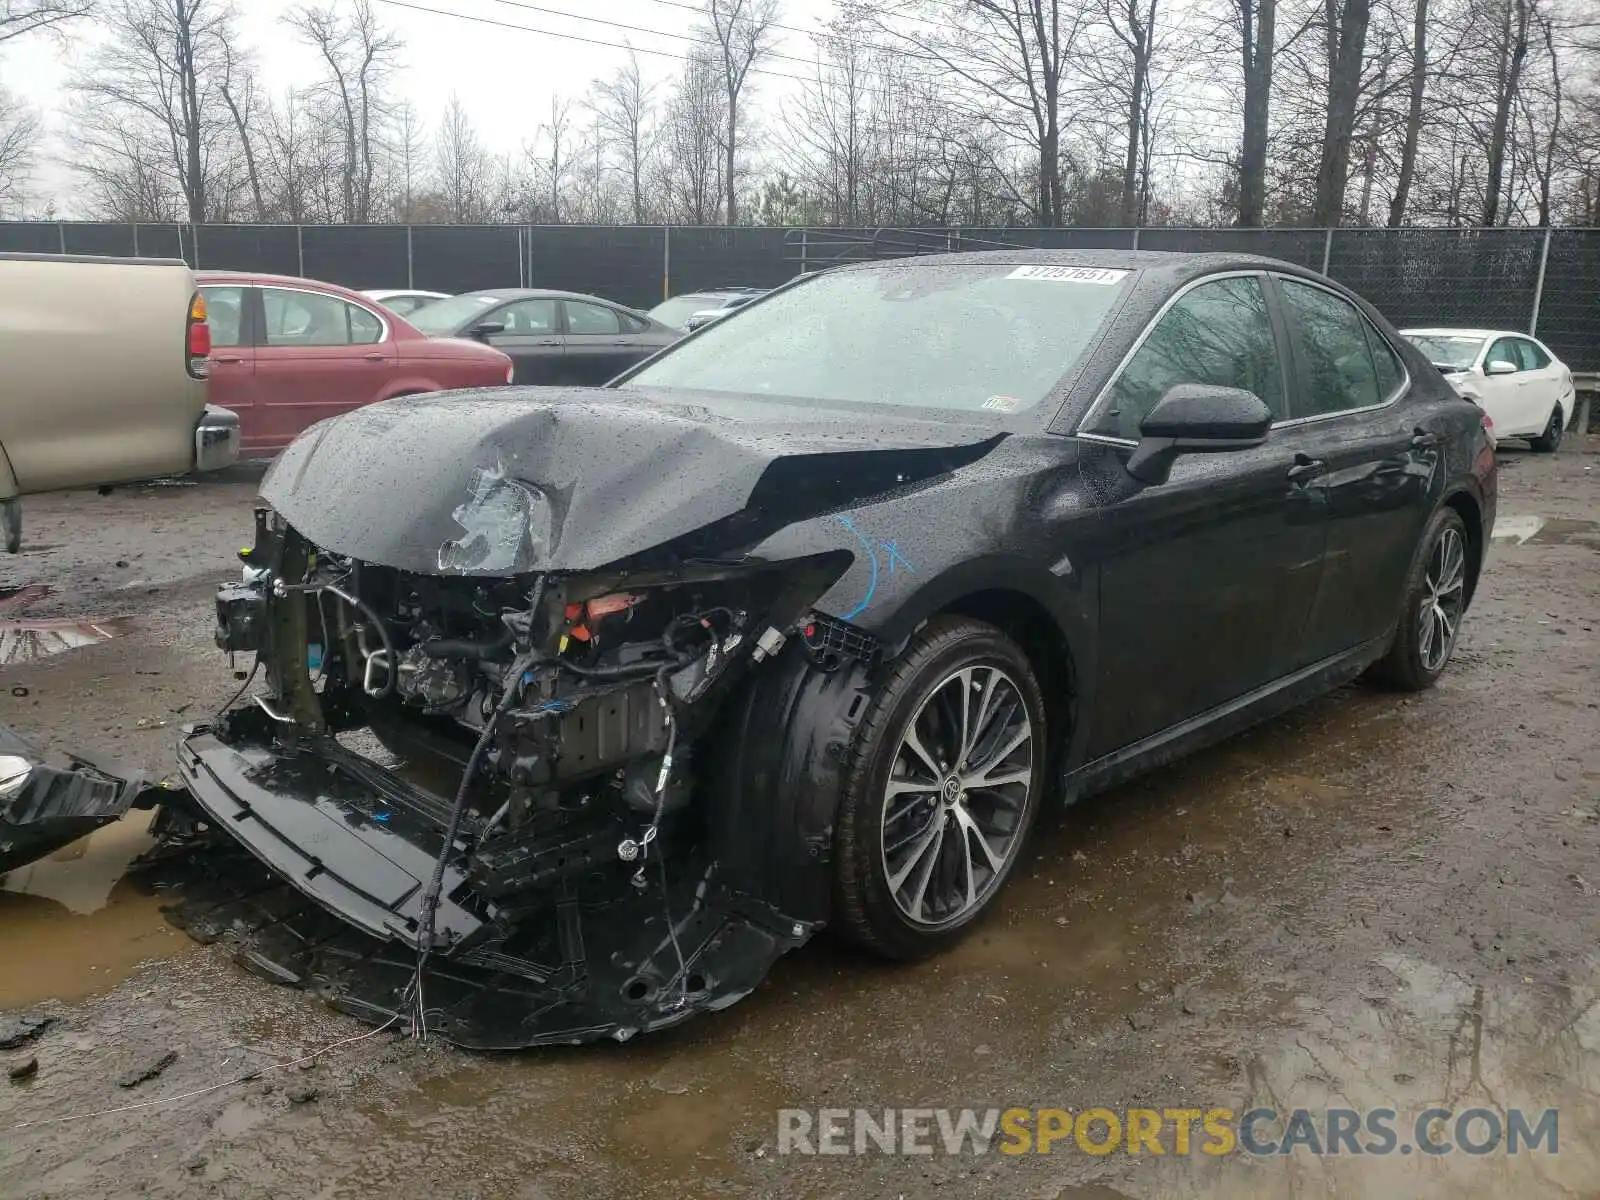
1543	281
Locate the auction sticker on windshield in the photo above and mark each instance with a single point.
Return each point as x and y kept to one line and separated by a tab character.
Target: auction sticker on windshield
1069	274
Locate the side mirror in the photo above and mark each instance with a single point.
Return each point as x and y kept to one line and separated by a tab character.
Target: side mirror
484	330
1500	366
1195	418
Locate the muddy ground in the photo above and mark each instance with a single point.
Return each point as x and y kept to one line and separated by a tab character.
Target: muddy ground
1377	901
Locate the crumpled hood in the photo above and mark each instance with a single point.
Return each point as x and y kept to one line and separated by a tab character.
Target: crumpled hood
510	480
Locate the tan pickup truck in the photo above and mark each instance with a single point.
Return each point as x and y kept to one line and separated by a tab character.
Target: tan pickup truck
103	365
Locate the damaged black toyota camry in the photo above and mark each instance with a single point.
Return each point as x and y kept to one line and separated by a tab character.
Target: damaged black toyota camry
576	708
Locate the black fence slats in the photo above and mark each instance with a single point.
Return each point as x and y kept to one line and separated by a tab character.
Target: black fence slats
162	241
1414	276
456	258
85	237
267	249
355	256
708	257
624	263
30	237
1569	307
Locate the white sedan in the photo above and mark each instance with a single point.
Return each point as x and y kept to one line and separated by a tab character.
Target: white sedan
404	301
1526	390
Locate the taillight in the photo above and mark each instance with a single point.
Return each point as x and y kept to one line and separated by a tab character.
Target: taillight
511	371
199	338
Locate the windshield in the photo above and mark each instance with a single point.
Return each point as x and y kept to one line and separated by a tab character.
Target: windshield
679	309
995	337
1447	349
445	317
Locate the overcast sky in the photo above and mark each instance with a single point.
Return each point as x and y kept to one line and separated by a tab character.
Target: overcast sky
504	76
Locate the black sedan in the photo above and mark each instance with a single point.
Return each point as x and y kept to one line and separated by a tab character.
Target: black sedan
552	337
802	623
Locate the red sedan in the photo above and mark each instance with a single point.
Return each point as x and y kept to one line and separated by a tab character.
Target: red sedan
288	352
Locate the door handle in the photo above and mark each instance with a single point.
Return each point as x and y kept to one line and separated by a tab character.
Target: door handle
548	342
1422	439
1306	468
375	356
226	358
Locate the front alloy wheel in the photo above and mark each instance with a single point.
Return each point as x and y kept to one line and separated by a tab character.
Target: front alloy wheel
947	774
953	806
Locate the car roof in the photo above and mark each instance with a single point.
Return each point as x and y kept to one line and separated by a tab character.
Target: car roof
289	281
390	293
1453	331
538	294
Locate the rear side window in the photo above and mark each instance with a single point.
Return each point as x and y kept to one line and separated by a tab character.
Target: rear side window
1390	373
1219	334
1342	373
225	314
1530	357
526	317
312	319
591	318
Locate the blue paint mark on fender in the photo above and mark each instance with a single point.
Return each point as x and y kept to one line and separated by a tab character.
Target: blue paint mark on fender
896	560
872	557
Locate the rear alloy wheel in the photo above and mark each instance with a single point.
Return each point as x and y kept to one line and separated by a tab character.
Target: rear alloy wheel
946	784
1436	600
1549	441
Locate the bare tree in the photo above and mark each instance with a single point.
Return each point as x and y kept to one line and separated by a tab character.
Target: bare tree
237	86
149	92
830	129
1013	54
461	166
624	107
1257	29
19	17
1511	52
1347	22
551	159
693	126
1133	24
744	35
360	57
1416	95
19	139
406	145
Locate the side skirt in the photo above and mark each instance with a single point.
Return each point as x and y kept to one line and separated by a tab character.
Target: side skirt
1222	722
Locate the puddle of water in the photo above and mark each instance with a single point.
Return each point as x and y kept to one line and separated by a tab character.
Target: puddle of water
79	927
1559	532
1516	529
29	641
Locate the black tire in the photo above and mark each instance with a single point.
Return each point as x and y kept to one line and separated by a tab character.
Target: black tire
924	685
1413	663
1549	441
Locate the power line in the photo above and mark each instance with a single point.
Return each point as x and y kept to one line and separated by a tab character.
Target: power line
700	41
574	37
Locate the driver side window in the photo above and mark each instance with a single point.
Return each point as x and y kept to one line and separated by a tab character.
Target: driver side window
1505	350
1219	333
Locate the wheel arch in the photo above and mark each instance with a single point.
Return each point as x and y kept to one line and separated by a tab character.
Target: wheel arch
1028	622
1470	511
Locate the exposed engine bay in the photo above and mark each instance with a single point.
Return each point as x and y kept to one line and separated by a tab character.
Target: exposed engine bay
565	873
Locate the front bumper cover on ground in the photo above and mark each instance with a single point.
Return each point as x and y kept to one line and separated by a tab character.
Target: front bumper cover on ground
44	807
